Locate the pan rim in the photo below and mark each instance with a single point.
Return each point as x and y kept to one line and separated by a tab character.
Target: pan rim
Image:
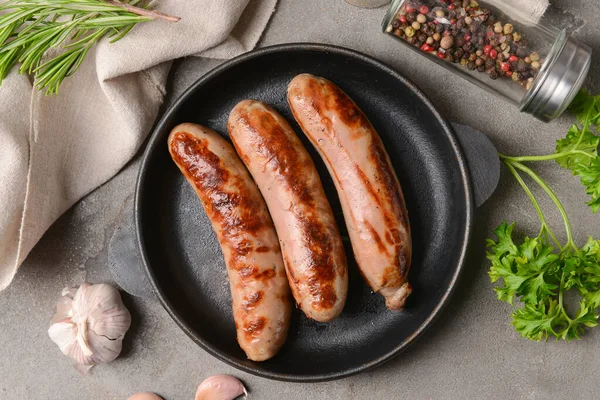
153	143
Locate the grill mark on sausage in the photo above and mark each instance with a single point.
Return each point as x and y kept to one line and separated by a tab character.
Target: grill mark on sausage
252	272
272	142
376	238
253	328
391	277
252	300
368	185
393	194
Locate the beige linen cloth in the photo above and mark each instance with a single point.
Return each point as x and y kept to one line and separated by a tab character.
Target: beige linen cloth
54	151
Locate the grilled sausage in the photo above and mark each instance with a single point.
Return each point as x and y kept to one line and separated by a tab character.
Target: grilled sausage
239	216
312	249
367	185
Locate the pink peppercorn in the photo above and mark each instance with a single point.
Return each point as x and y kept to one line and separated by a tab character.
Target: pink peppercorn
513	58
505	66
451	7
402	19
410	9
423	9
493	53
487	48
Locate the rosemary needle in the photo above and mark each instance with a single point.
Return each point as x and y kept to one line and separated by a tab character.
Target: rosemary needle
30	28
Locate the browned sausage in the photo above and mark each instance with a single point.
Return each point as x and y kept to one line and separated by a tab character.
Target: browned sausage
367	185
239	217
286	175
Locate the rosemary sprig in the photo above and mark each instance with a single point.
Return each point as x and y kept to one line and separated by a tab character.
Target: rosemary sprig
50	38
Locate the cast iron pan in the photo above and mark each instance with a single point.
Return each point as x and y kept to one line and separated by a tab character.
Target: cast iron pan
183	258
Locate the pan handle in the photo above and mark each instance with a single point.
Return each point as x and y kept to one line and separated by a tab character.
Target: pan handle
124	259
483	162
123	254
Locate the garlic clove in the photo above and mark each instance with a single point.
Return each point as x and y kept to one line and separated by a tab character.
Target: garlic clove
64	308
145	396
65	336
220	387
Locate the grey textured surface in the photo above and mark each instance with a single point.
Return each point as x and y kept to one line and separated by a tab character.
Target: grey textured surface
471	352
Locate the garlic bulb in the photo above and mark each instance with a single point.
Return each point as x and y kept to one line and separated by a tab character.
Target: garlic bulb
220	387
89	324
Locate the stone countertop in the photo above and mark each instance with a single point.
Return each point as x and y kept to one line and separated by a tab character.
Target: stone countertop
472	351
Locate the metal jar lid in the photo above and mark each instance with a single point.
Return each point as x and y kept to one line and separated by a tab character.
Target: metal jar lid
556	87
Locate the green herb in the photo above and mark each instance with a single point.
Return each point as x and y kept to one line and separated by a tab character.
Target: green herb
539	271
50	38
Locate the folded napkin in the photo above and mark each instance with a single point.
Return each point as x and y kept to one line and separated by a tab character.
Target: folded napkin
54	151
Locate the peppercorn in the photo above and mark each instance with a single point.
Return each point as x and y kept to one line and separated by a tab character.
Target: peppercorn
430	40
535	56
494	74
423	9
493	53
516	36
440	13
516	77
471	65
421	18
521	66
481	68
411	39
399	32
489	63
416	25
447	42
472	57
463	62
535	64
527	60
508	29
437	37
439	28
500	57
459	53
498	27
395	24
479	53
479	62
459	42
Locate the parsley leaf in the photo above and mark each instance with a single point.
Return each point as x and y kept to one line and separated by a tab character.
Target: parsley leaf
579	149
586	108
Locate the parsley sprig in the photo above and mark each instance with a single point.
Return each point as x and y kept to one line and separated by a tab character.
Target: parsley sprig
50	38
539	271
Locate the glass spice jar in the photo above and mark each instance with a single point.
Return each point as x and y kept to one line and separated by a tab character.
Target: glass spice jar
530	63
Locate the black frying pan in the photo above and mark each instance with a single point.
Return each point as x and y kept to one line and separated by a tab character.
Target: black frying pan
183	258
